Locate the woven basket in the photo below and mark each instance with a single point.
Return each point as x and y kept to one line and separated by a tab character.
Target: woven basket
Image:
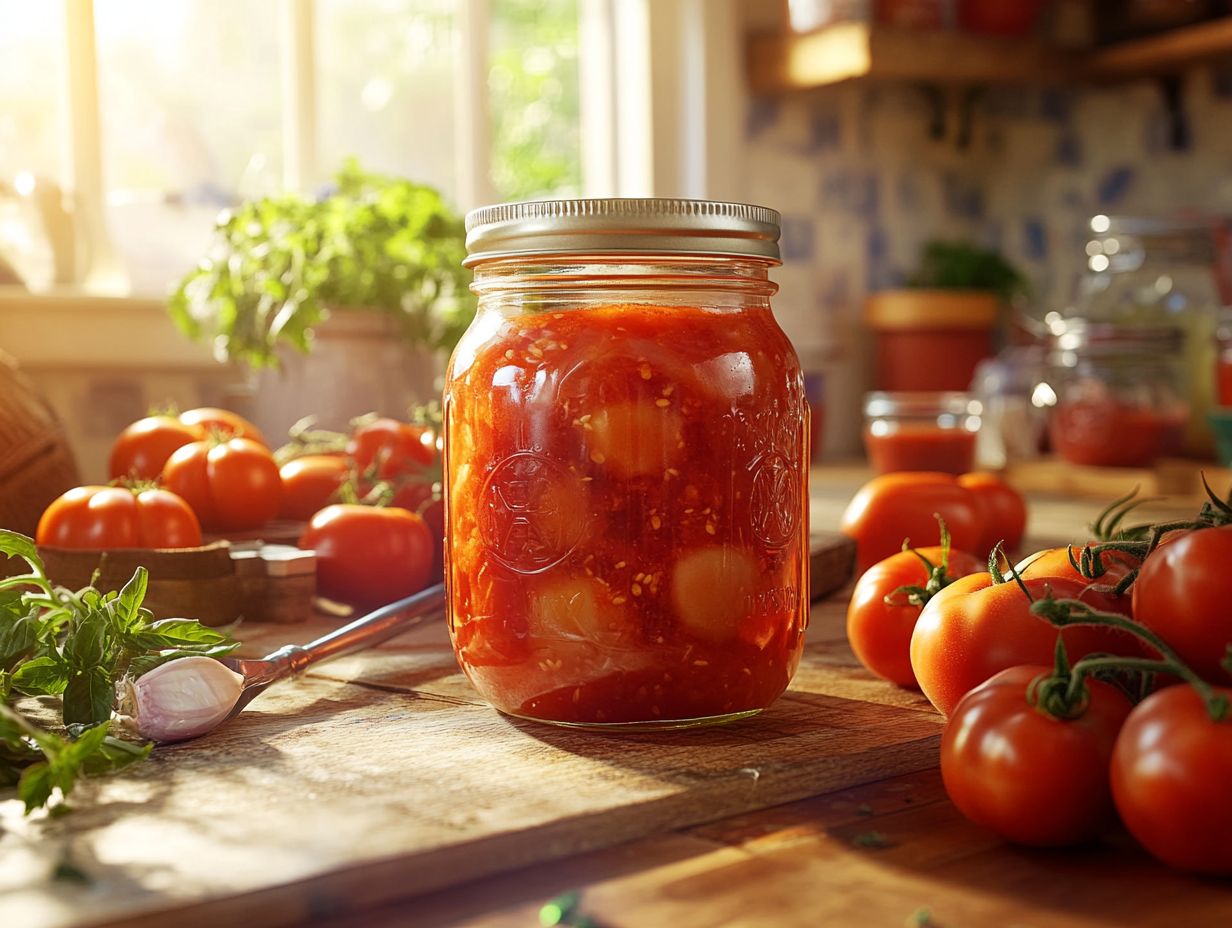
36	464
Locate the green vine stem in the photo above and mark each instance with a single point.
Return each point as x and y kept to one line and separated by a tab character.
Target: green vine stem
938	576
1065	612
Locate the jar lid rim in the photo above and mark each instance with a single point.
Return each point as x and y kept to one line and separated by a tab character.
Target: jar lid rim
622	226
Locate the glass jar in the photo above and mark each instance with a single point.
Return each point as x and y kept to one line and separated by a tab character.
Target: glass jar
625	450
921	431
1223	361
1120	395
1160	273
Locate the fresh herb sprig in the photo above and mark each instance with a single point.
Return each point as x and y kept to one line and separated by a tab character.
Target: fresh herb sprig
76	646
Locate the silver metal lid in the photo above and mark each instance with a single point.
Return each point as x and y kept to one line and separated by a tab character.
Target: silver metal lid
651	226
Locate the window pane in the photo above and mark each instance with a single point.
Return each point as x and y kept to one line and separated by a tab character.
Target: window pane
533	90
385	88
189	94
32	115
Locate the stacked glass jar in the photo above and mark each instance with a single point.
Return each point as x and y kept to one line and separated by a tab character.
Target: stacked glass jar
1131	360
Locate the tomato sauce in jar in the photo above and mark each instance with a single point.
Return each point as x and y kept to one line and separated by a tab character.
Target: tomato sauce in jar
909	431
1120	398
1106	433
625	441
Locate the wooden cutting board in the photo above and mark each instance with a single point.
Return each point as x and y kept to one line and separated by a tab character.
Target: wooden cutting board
383	775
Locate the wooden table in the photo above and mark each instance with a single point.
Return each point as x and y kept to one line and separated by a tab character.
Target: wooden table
889	851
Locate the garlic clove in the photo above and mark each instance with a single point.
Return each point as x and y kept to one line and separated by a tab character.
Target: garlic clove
184	698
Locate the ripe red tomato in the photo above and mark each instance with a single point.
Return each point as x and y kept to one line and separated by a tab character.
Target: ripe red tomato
98	518
1003	508
975	628
368	556
1184	594
1054	562
141	450
879	633
1031	777
228	424
231	485
901	505
1170	773
310	483
398	449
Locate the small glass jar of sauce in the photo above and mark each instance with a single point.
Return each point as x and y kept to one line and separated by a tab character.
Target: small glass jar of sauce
1223	362
626	463
1121	395
921	431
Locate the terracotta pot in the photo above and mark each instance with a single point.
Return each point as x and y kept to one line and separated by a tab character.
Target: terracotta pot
931	339
360	362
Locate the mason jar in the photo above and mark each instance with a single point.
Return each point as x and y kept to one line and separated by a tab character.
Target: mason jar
1120	393
921	431
625	450
1159	272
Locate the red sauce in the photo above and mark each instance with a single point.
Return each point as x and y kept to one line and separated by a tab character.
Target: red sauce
628	513
1223	380
1105	433
921	447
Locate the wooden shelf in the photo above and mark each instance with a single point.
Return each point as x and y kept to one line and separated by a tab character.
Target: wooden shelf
784	62
1166	53
850	51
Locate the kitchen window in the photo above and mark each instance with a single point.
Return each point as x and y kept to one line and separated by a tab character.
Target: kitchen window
158	115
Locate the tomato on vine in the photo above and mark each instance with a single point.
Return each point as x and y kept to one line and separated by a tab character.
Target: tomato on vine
1030	764
895	506
231	485
1171	770
1184	593
1003	510
141	449
100	518
887	602
310	483
980	625
369	555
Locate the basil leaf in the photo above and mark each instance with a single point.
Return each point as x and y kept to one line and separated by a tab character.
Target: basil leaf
42	676
34	787
128	604
85	646
143	664
89	696
114	754
14	544
172	633
18	638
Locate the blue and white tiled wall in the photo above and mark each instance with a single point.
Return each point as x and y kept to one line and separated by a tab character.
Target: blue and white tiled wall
862	183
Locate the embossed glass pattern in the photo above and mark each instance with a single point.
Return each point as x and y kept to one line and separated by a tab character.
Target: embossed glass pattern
626	495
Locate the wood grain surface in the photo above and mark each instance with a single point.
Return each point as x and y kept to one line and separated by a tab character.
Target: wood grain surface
383	775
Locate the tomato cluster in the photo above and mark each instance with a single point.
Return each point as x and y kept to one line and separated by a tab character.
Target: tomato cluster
210	469
1039	745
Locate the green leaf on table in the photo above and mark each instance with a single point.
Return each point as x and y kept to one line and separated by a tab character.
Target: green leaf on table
85	646
175	633
143	664
42	676
89	696
114	754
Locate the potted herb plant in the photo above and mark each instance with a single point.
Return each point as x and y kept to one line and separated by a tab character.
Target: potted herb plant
340	305
931	334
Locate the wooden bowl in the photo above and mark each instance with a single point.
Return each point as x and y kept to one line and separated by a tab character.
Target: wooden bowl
190	583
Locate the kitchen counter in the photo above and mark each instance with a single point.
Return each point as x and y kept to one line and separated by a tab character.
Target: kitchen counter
379	791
